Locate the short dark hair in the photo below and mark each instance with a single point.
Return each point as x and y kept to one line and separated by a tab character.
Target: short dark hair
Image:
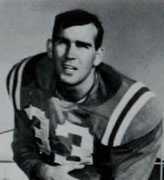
78	17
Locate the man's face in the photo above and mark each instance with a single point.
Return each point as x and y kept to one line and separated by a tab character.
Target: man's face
75	53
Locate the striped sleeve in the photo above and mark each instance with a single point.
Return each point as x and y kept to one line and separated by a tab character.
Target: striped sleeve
136	97
14	83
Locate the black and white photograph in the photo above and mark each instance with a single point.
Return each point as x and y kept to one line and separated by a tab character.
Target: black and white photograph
82	89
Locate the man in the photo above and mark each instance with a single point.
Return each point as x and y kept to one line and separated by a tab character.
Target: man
78	118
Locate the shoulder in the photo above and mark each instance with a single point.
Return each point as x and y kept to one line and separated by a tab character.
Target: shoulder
146	119
114	81
25	75
26	65
136	111
139	113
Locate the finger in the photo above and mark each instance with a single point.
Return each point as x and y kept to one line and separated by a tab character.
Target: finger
55	111
71	167
86	161
73	118
81	113
68	177
62	103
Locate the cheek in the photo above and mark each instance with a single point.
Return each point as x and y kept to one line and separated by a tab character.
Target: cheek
88	60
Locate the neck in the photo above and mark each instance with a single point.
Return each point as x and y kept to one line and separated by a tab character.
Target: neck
78	91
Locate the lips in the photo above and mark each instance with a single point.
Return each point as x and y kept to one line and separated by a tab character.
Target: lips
69	67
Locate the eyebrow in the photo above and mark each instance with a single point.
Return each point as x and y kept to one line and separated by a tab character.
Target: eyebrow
83	43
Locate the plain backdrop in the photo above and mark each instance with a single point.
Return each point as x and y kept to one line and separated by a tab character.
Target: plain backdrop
134	41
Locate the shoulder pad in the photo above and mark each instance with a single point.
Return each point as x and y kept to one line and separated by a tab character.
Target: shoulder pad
22	74
132	102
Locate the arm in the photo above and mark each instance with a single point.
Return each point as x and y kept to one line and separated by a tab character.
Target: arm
138	156
24	148
26	152
134	158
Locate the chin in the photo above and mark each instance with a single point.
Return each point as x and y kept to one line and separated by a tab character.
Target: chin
69	81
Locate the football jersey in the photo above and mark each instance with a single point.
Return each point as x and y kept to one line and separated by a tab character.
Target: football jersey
117	111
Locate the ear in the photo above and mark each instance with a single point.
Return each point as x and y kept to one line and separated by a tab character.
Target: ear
99	56
50	48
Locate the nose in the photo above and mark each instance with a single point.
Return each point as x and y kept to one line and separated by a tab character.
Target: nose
71	51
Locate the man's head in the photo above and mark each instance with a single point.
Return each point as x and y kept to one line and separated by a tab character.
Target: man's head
76	46
77	18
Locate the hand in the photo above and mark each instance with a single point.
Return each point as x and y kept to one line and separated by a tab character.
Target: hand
59	172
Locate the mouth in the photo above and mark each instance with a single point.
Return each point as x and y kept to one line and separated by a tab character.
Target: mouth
69	67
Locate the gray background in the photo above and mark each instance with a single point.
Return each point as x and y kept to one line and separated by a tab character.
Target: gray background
134	38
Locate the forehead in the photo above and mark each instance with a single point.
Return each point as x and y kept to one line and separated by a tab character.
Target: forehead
86	32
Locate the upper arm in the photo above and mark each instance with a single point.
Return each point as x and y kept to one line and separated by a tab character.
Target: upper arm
138	137
149	116
18	80
140	144
14	83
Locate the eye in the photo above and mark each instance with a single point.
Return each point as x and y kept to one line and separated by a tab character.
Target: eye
80	44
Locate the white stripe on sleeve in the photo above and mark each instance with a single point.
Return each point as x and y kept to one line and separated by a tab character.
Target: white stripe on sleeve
130	115
11	82
19	82
119	108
